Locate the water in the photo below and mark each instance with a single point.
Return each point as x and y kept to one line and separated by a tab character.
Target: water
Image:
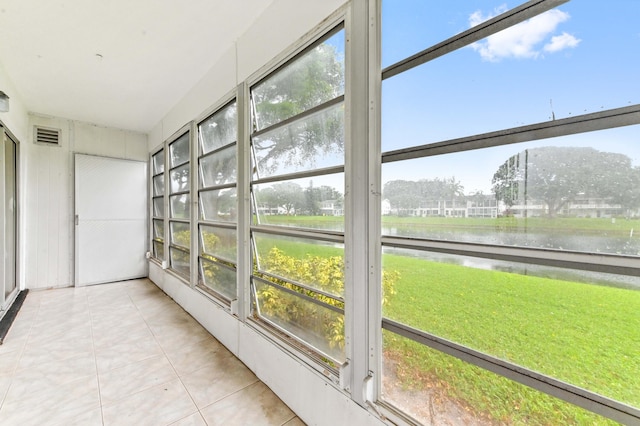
559	239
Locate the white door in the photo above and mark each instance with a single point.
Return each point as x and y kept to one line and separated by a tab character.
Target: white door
111	219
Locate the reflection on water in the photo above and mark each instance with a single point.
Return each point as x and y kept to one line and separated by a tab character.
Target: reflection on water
557	239
587	277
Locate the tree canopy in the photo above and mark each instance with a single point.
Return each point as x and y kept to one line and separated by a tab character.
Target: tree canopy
558	176
408	194
310	80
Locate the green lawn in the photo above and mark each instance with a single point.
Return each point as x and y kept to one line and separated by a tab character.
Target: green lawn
587	335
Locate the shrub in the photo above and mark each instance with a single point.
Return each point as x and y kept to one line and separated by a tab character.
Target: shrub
323	273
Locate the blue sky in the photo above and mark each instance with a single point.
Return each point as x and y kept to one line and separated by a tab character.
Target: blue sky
581	57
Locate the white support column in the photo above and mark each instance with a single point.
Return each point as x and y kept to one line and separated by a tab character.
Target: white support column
362	195
244	202
194	173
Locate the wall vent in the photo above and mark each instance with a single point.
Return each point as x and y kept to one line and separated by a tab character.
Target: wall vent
47	135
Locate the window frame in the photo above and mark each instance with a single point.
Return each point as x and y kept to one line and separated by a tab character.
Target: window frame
611	263
170	245
285	339
153	198
229	304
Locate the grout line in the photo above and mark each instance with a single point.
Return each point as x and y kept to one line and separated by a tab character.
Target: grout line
20	353
95	357
167	357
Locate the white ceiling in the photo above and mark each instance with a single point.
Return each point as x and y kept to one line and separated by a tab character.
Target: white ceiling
118	63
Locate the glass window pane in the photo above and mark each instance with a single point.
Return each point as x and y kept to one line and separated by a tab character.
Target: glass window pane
8	218
158	229
158	207
180	206
180	261
219	205
218	130
572	325
158	162
535	72
436	388
181	234
411	26
218	168
219	278
219	242
315	263
180	179
158	185
179	151
316	202
158	250
314	324
313	142
311	79
578	192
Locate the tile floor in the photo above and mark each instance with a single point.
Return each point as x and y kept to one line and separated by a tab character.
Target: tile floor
124	354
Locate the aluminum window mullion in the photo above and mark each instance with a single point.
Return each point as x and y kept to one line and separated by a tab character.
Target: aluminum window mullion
179	248
216	150
166	262
217	187
226	225
301	285
175	166
301	295
243	179
618	117
508	19
300	175
289	231
595	262
218	260
567	392
301	116
360	207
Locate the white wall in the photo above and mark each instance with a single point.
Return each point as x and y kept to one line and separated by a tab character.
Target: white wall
315	399
47	183
16	120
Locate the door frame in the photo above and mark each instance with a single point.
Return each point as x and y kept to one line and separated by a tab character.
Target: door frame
7	300
75	219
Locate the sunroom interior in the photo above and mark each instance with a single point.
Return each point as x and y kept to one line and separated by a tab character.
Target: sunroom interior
389	212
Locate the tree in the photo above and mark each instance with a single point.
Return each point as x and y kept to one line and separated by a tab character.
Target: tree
407	194
286	195
315	196
312	79
219	130
218	168
557	176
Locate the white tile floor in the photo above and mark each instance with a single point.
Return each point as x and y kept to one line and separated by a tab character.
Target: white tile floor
124	354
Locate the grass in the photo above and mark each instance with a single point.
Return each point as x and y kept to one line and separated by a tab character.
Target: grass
586	335
619	226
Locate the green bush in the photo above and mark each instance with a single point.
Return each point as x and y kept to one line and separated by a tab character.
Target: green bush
323	273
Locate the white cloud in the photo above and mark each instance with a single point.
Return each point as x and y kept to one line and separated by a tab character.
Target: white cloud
561	42
478	18
523	40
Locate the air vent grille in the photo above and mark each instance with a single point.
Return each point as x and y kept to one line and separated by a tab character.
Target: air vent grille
47	136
